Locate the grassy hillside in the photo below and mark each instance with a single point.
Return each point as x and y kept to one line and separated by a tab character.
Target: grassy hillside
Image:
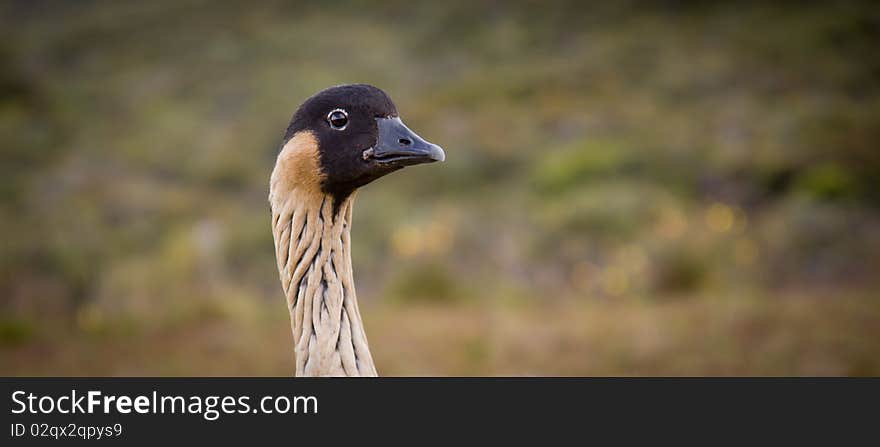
644	188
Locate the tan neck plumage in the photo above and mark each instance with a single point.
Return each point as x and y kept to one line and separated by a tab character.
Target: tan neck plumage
313	249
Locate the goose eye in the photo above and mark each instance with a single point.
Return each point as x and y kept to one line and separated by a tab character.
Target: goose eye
338	119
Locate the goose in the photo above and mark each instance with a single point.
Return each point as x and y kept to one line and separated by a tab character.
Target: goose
339	140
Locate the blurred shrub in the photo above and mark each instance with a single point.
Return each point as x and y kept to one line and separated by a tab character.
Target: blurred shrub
425	282
827	181
13	332
679	271
615	209
585	161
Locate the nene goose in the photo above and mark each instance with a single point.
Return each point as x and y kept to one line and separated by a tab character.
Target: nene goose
338	140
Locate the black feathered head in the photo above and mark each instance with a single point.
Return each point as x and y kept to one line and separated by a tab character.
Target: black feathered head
356	135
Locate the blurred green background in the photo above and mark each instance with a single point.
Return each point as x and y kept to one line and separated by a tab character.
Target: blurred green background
643	188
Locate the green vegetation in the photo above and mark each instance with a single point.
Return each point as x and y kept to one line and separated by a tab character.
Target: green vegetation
629	189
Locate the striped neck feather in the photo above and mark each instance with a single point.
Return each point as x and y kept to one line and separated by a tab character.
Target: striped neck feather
313	250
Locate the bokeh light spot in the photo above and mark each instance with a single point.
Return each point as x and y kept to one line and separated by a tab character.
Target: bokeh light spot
719	218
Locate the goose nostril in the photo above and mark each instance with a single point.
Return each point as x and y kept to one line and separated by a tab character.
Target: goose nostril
405	141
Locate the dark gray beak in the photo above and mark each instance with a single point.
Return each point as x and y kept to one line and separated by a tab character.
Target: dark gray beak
398	145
